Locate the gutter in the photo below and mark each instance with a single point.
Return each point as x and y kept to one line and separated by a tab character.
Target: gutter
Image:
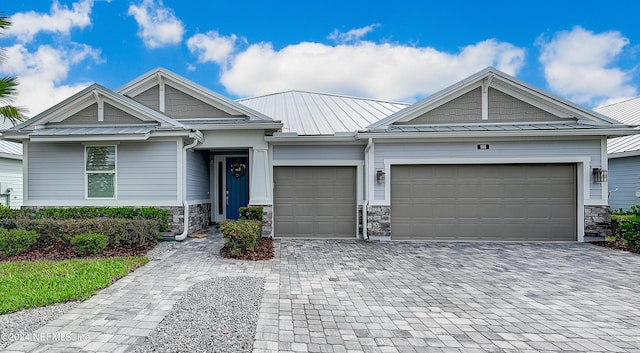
185	205
365	235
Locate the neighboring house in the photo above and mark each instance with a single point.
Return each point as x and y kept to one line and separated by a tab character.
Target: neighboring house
624	156
489	158
10	170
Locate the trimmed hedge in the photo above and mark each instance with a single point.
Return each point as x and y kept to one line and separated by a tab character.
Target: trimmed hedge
119	232
251	213
107	212
89	243
16	241
241	235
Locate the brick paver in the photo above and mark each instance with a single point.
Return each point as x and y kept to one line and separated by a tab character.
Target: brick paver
351	296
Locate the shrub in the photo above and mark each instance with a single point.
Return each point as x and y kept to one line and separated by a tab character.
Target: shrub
627	229
241	235
152	213
89	243
120	232
16	241
252	213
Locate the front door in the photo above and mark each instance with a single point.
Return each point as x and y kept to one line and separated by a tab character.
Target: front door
237	185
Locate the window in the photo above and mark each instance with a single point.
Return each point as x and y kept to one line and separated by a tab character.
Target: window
100	168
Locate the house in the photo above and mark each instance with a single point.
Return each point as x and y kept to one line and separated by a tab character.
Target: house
10	170
624	156
489	158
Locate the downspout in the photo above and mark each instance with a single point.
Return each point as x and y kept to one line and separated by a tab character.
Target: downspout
185	205
365	235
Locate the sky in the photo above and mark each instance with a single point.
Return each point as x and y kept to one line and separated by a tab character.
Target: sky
586	51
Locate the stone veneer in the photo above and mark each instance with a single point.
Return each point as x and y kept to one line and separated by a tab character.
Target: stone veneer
267	220
597	221
379	221
199	217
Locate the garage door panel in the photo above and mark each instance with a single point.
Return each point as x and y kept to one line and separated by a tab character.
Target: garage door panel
484	202
315	202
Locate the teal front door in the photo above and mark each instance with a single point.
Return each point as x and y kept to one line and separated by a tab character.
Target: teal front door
237	191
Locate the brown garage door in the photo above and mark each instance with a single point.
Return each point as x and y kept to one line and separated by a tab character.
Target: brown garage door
315	202
483	202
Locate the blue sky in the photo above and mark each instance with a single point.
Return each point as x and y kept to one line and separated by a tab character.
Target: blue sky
400	51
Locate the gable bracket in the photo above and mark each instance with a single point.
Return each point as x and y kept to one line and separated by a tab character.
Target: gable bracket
100	102
161	92
485	96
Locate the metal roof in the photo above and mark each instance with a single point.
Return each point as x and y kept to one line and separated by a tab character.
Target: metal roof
309	113
7	147
627	112
74	131
490	127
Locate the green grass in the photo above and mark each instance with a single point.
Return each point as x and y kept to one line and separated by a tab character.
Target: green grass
26	284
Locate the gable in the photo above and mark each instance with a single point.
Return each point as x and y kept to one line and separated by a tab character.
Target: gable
89	116
467	108
180	105
150	98
181	99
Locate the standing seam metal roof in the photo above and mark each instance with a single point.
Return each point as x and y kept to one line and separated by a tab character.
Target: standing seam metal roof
8	147
309	113
627	112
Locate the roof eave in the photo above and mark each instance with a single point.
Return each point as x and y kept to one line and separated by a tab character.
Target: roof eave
510	133
10	156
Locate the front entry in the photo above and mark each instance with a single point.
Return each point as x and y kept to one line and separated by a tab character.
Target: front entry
231	185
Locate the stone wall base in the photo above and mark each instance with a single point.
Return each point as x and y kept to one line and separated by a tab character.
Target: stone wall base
379	222
199	217
597	221
267	220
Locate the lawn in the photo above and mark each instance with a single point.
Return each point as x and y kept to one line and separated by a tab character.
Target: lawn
27	284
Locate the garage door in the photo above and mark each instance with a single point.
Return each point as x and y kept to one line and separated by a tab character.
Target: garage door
483	202
315	202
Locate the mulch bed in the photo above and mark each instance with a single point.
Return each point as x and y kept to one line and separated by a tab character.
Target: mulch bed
61	251
616	245
263	251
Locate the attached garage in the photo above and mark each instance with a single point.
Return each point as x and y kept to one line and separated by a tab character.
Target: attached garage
521	202
315	201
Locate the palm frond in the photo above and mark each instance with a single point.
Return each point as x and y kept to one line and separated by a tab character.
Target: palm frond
11	113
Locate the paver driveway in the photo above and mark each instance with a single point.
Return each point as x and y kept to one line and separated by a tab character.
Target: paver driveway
351	296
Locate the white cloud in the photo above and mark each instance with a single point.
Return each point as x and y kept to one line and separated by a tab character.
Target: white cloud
61	19
212	47
159	26
41	72
353	35
577	65
383	71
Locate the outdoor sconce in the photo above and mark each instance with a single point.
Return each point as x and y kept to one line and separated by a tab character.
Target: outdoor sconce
599	175
379	176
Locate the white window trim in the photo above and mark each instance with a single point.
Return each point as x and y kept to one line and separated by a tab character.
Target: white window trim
114	171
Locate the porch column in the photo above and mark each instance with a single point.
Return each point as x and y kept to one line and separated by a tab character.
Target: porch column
260	188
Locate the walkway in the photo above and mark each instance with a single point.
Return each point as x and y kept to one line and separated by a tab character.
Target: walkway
351	296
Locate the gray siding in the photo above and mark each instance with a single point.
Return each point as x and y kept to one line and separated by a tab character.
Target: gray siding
179	105
624	174
147	170
502	149
56	171
464	109
149	98
87	116
348	152
505	108
113	115
198	181
11	174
